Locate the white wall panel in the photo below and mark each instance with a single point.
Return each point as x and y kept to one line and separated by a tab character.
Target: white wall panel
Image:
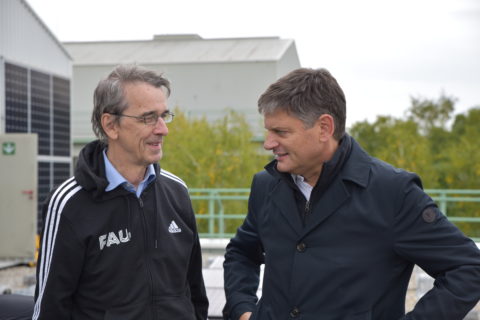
197	89
25	40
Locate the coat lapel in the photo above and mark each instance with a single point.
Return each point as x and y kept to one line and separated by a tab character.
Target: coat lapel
329	203
284	200
356	169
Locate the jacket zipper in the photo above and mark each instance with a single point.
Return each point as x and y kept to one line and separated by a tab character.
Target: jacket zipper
306	211
147	257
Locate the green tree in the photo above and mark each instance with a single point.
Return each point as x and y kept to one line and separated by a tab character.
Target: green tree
219	154
464	153
431	114
432	117
397	142
464	166
444	158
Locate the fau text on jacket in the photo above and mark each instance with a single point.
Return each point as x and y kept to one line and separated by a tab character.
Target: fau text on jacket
112	238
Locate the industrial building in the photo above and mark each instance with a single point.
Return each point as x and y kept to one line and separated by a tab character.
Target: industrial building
35	75
208	76
46	99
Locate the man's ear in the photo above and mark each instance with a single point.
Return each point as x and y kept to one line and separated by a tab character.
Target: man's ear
110	125
327	126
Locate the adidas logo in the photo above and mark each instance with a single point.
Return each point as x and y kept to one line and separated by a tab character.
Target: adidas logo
173	228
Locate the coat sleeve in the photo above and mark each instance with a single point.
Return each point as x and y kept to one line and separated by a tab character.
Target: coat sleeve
244	255
424	236
58	267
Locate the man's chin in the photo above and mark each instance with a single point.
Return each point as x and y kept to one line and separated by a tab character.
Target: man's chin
283	168
156	158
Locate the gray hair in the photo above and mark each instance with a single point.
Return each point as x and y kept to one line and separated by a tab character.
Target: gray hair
109	96
307	94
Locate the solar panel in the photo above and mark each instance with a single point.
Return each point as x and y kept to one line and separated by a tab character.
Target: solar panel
40	106
16	98
39	102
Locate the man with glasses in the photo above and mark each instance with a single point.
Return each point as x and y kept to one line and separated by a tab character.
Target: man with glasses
119	238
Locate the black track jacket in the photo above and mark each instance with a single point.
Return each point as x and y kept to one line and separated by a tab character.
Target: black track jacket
111	255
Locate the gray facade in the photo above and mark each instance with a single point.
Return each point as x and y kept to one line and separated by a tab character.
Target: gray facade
208	76
35	73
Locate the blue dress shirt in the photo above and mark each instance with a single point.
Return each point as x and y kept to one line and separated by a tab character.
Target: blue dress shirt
115	178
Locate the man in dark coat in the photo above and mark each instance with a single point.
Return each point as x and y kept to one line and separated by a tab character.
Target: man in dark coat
339	231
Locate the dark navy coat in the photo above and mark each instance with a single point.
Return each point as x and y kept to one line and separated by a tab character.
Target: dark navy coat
353	258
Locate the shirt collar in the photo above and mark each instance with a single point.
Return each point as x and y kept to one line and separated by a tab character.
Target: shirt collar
115	178
304	187
149	174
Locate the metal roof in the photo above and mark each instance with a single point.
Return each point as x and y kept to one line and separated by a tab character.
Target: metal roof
173	49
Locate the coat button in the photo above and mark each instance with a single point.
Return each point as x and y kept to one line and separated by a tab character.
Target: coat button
295	312
301	247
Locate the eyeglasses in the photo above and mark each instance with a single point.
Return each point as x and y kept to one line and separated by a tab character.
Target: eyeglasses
151	118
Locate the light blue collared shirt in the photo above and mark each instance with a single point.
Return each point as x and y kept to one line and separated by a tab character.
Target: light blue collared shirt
304	187
115	178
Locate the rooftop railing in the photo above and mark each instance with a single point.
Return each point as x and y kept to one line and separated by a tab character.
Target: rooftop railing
220	212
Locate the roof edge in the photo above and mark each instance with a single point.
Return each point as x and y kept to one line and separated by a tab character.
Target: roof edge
175	37
101	64
44	26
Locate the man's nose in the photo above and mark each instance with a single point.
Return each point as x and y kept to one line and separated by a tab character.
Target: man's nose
269	142
160	127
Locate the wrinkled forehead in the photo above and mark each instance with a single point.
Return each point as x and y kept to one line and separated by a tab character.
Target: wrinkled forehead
144	96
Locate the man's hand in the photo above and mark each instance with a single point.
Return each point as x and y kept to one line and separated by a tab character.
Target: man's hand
245	316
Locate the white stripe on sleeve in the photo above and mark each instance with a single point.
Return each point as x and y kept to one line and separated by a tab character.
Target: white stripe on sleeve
170	175
52	219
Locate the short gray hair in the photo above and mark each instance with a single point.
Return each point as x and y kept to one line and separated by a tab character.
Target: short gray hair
109	96
307	94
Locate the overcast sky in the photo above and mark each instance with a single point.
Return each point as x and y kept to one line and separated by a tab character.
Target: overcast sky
381	52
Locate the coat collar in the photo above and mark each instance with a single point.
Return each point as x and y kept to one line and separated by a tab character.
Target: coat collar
358	166
356	169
